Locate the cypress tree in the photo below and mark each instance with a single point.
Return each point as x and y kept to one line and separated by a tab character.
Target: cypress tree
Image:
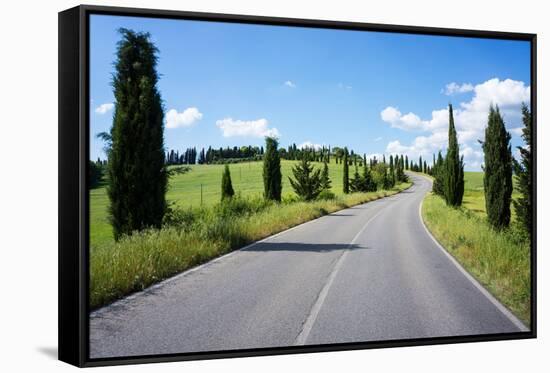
497	180
400	173
392	172
325	179
439	175
356	183
523	169
406	162
346	172
307	180
453	184
227	186
137	173
368	180
272	171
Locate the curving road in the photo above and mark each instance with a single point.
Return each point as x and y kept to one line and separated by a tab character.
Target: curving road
367	273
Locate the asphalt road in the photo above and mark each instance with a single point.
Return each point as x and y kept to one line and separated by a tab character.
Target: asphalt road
367	273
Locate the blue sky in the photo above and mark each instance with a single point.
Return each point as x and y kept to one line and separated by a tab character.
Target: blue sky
231	84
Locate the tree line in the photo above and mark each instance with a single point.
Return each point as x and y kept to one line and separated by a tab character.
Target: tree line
189	156
499	168
310	183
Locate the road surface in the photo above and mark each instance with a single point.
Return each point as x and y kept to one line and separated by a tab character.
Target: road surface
366	273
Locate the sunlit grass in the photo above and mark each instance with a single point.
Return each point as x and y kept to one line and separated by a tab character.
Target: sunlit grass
185	190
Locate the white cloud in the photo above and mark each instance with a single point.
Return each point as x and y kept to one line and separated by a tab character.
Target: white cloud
104	108
251	128
518	131
378	138
453	88
309	145
374	155
412	122
289	84
470	121
186	118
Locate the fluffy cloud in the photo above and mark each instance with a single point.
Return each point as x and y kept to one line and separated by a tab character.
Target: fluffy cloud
309	145
289	84
453	88
412	122
104	108
186	118
250	128
470	121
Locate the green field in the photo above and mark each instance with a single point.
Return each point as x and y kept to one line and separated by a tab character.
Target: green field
499	260
474	196
185	190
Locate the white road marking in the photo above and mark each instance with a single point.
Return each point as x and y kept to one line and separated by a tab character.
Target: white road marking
517	322
310	320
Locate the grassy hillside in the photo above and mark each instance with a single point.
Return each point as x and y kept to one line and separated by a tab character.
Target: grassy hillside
499	260
185	190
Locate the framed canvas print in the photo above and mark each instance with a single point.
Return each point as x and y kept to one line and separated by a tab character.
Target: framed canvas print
236	185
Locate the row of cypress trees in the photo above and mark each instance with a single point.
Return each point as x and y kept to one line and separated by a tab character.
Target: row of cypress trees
308	182
499	167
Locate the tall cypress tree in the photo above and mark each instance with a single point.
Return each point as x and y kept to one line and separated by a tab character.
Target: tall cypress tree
137	173
453	180
392	172
368	180
272	171
497	180
524	204
346	172
439	176
325	179
356	183
227	185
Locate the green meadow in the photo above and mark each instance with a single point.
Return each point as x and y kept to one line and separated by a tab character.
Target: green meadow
185	190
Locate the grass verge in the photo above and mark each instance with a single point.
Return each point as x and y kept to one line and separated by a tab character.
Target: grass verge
498	260
196	236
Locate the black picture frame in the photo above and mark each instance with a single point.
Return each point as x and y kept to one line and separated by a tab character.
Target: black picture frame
74	107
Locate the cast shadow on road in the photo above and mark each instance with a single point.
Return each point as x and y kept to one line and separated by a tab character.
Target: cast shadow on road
305	247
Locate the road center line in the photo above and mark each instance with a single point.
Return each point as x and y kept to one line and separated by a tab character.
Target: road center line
308	325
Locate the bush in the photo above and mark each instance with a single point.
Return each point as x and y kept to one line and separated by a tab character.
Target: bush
178	217
326	195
